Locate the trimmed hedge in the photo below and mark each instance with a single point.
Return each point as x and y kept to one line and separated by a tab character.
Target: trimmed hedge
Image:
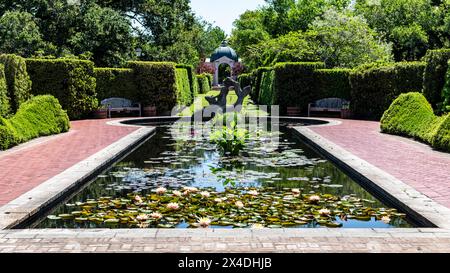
248	80
39	116
71	81
184	95
332	83
267	92
4	100
210	79
17	80
445	107
257	77
434	75
203	83
411	115
375	86
156	84
115	82
193	82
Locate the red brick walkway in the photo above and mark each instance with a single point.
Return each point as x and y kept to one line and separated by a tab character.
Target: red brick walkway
414	163
24	169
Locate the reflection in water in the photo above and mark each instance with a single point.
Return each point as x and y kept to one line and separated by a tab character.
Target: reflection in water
174	159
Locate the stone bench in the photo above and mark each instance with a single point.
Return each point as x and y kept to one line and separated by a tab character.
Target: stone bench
121	105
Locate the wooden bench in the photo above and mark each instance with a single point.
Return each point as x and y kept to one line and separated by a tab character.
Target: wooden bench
333	105
121	105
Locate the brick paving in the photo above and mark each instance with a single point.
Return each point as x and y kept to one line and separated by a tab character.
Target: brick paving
414	163
28	166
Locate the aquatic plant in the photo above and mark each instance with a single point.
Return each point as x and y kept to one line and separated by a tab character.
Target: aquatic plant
229	137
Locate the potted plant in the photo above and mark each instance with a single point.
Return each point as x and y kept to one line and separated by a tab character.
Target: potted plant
101	112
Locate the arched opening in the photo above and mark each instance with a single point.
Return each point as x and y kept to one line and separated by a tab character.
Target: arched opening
224	72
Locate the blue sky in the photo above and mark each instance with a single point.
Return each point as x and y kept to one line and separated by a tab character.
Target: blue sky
222	13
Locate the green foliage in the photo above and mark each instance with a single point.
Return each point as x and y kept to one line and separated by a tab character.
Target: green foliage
115	82
247	79
203	83
156	84
375	86
19	34
446	92
267	94
294	84
434	76
39	116
184	96
229	137
257	78
4	100
332	83
17	80
411	115
193	82
71	81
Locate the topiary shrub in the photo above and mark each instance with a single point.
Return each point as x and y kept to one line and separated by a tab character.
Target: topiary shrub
115	82
39	116
441	137
332	83
4	100
184	95
71	81
193	82
156	84
434	75
203	83
210	80
17	79
375	86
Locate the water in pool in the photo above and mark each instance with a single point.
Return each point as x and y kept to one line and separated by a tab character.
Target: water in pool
179	179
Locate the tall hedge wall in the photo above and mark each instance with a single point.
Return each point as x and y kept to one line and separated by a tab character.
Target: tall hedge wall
71	81
17	79
434	75
332	83
267	92
39	116
375	86
156	84
411	115
246	80
445	107
4	100
115	82
257	77
184	95
193	82
203	83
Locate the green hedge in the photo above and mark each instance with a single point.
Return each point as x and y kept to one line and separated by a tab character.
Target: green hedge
267	92
71	81
115	82
203	83
411	115
247	80
17	80
332	83
184	95
445	107
375	86
193	82
257	77
4	100
39	116
156	84
210	79
434	75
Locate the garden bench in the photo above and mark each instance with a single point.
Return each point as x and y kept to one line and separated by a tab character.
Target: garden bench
334	105
121	105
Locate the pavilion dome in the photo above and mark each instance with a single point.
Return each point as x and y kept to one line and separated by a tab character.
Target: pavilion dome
224	50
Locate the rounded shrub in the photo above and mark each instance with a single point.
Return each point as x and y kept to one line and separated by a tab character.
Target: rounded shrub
441	137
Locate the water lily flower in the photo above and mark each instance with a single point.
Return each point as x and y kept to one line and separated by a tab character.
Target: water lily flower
142	217
161	190
218	200
253	192
191	189
386	219
143	225
204	222
156	215
173	206
314	198
324	212
295	191
205	194
257	226
177	193
239	204
138	199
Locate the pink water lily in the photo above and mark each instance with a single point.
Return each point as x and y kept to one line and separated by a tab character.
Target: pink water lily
173	206
324	212
314	198
177	193
204	222
156	215
205	194
386	219
142	217
239	204
161	190
253	192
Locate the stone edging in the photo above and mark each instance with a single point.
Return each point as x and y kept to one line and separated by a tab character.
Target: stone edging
49	192
398	193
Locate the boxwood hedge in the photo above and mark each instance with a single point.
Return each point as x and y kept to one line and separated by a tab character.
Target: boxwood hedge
184	95
4	100
203	83
434	75
332	83
71	81
39	116
193	82
17	80
115	82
